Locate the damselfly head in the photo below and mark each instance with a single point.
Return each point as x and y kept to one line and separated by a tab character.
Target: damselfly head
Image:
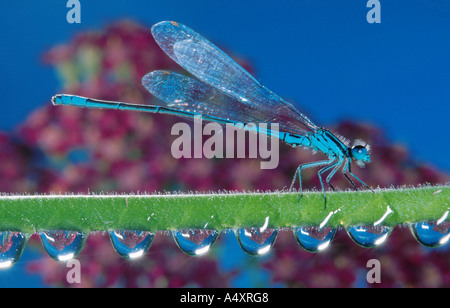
360	152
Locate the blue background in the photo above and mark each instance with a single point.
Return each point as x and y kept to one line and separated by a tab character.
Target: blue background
320	54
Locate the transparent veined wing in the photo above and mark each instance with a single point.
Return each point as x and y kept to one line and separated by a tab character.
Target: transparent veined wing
189	94
215	68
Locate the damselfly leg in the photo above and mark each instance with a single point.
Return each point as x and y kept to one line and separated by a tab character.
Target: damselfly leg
321	171
298	173
348	166
333	172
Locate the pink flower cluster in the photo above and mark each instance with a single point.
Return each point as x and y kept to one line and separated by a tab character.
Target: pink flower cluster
67	149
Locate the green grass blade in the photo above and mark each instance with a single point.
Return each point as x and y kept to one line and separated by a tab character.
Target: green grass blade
221	210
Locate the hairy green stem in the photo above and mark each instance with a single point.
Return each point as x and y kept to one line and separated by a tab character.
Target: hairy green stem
221	210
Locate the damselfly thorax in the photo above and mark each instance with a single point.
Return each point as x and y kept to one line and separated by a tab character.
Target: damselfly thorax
322	141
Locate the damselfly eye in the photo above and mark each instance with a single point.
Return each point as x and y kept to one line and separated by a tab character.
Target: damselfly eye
359	152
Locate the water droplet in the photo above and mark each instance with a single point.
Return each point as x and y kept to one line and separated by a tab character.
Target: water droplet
195	242
314	239
368	236
63	245
131	244
11	248
256	241
431	234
